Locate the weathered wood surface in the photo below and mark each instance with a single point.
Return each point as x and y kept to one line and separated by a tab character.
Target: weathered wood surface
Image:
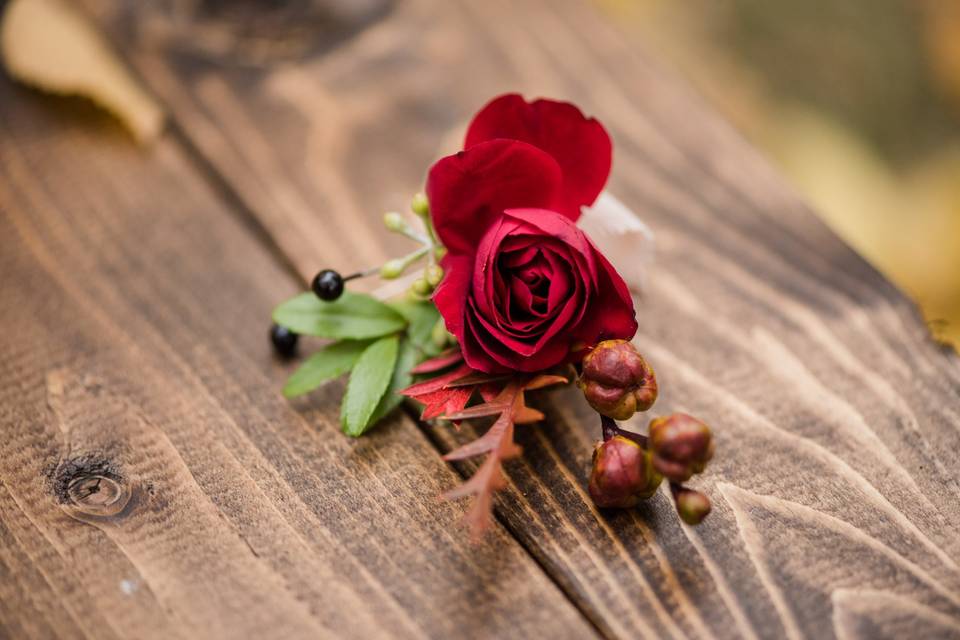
835	484
134	308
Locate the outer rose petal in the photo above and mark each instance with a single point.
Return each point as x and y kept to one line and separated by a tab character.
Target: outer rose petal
579	144
451	294
469	190
617	318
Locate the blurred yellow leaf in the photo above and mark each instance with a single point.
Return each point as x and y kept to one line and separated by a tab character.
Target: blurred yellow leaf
48	45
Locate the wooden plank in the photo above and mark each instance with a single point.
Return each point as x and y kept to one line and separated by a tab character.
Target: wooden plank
835	484
153	483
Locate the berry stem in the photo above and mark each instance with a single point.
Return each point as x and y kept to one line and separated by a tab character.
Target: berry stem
610	429
361	274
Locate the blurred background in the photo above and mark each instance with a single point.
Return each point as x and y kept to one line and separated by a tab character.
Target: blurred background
857	101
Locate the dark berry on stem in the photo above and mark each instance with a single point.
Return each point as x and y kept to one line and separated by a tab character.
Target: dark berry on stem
328	285
284	341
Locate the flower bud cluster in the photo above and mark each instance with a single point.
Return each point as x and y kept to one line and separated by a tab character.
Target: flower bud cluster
430	248
628	467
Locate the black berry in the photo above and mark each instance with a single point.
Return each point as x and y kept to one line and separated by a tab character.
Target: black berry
328	285
284	341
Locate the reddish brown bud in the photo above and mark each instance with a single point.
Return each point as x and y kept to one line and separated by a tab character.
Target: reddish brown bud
622	474
681	445
617	381
692	506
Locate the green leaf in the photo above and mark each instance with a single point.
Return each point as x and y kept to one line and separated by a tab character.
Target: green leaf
352	316
330	362
368	383
406	359
421	316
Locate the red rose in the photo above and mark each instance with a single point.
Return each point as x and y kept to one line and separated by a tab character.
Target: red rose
524	288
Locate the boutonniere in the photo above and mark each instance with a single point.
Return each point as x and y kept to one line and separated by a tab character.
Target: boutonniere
510	295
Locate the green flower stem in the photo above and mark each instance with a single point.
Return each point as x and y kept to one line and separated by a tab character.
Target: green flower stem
416	236
394	268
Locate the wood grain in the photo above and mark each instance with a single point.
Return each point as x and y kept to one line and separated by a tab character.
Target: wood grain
153	483
838	420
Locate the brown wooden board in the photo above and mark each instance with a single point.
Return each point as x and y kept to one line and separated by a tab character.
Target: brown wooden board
153	483
835	485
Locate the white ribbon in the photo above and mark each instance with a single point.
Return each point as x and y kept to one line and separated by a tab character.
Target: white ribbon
621	236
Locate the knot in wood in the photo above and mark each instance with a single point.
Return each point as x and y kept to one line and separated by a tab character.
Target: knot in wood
92	487
97	494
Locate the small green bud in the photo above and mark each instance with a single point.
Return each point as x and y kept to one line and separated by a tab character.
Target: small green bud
681	446
439	252
692	506
434	275
392	269
420	205
394	221
421	287
439	334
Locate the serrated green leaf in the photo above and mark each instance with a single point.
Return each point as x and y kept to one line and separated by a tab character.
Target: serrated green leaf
402	378
353	316
421	318
368	384
330	362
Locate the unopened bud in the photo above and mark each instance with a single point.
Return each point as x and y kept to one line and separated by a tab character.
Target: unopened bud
434	274
421	287
439	252
392	269
394	221
439	334
420	206
622	474
692	506
681	446
617	381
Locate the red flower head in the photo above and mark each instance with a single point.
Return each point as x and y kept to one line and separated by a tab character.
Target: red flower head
525	289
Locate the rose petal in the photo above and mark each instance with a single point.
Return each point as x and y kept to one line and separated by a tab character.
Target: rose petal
580	145
469	190
618	318
451	294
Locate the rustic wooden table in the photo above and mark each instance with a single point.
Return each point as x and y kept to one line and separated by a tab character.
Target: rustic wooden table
134	300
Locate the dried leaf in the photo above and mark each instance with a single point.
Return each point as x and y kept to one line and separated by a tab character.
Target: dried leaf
478	411
544	380
444	401
498	444
528	415
447	394
49	45
492	440
478	377
446	359
436	383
